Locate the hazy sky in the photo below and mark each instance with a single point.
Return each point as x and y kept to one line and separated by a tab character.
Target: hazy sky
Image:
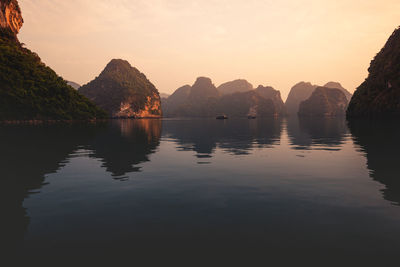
276	43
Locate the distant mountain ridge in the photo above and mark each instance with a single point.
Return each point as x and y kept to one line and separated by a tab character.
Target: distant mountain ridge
124	92
203	99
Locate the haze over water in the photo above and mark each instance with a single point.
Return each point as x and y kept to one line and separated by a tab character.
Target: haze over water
269	189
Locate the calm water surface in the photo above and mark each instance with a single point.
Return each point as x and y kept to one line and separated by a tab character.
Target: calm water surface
236	191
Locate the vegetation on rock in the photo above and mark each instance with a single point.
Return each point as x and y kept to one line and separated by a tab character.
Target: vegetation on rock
29	90
123	91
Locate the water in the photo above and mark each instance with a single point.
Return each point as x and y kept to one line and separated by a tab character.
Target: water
248	192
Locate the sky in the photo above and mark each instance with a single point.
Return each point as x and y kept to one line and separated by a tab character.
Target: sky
268	42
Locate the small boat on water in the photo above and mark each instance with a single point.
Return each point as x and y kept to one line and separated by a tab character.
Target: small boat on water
222	117
251	117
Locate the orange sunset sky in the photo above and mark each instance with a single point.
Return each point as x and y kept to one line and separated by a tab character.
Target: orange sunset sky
276	43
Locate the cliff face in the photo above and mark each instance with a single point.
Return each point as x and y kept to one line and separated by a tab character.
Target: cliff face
10	16
124	92
298	94
235	86
324	102
379	94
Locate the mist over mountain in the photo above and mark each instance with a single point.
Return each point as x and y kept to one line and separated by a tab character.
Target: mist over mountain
73	85
123	91
324	102
164	95
379	94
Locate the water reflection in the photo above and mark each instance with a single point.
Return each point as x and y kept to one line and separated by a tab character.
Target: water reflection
125	144
30	152
270	194
379	140
236	136
317	133
27	154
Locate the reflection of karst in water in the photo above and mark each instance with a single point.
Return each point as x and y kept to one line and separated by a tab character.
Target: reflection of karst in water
30	152
317	133
379	140
27	154
125	144
236	136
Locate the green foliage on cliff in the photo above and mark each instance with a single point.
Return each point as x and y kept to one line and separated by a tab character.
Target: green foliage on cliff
30	90
120	83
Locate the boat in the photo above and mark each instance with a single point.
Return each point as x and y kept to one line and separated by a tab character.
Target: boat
222	117
251	117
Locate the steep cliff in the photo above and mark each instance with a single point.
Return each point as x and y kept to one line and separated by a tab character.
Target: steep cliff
10	18
324	102
379	94
124	92
235	86
336	85
29	90
300	92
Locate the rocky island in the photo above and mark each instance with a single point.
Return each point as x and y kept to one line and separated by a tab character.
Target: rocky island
124	92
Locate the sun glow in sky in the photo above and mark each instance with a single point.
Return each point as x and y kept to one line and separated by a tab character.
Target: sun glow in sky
269	42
